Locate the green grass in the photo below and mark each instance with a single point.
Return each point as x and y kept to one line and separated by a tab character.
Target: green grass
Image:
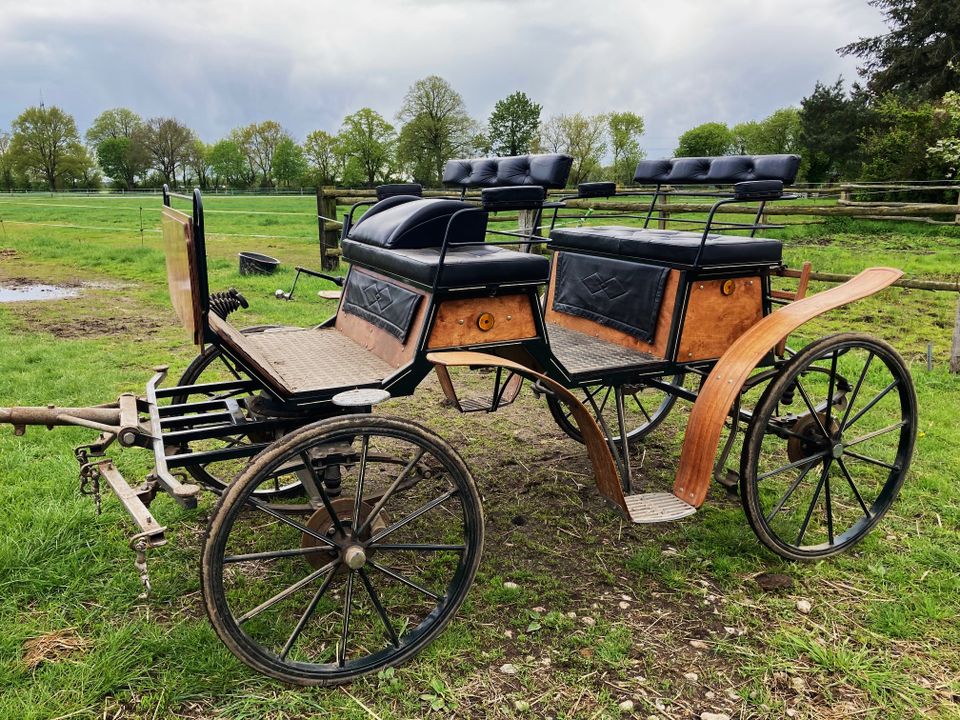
881	641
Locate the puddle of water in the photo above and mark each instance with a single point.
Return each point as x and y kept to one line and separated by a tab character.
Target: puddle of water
20	293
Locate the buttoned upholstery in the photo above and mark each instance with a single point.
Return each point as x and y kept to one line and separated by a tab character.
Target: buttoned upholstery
549	171
723	170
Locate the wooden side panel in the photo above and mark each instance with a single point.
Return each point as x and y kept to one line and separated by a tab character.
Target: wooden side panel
604	468
182	270
457	321
661	338
377	340
734	367
713	321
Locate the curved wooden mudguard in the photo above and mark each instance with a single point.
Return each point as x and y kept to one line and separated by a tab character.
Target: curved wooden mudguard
604	468
727	377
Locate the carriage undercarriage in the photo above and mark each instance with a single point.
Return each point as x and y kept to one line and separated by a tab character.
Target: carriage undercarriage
343	540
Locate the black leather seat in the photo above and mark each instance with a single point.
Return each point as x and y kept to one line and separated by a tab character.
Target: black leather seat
462	266
669	246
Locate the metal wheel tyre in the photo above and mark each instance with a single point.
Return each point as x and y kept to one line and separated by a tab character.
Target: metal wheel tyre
816	477
213	366
645	409
358	574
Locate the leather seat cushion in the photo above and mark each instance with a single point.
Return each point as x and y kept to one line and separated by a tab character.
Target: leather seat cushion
406	221
669	246
462	266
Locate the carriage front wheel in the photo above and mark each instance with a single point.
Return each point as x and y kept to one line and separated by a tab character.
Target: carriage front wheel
829	446
360	571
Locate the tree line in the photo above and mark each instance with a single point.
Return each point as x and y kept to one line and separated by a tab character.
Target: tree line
44	148
903	123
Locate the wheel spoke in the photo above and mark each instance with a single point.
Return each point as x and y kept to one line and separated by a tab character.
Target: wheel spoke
829	506
413	516
872	461
231	368
830	386
284	594
345	628
875	433
358	500
791	466
419	547
813	503
856	493
813	410
642	408
790	491
270	554
400	577
606	397
870	404
856	389
394	638
305	618
260	505
318	483
389	493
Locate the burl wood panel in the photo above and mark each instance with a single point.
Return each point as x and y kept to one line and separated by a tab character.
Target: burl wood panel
455	324
727	377
182	270
377	340
713	321
661	337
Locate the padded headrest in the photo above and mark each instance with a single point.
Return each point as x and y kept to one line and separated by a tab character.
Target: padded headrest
404	221
723	170
548	171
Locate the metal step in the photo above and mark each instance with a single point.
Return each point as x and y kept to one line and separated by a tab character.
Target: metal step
657	507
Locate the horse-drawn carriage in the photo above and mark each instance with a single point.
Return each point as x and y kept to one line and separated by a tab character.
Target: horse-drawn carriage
344	540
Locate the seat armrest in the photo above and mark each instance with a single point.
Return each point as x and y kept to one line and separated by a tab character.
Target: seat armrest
758	190
596	189
385	191
513	197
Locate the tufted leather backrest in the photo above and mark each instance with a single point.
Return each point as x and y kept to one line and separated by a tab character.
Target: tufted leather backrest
548	171
723	170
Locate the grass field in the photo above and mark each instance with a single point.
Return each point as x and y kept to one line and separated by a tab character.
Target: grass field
603	611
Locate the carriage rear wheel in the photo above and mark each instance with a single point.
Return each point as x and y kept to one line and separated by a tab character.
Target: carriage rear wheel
644	408
817	476
350	578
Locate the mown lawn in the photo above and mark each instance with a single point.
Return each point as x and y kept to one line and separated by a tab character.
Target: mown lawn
881	641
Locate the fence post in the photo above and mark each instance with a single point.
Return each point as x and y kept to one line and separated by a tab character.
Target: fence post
955	348
329	246
663	213
527	224
956	219
844	193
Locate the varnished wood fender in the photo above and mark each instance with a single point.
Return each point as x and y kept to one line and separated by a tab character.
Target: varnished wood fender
604	468
727	377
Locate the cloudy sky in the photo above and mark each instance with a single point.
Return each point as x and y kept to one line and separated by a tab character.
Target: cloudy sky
223	63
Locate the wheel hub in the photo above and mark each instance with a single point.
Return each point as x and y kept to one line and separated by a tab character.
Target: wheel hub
812	439
348	546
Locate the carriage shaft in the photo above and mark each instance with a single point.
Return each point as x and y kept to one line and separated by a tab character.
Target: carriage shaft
98	418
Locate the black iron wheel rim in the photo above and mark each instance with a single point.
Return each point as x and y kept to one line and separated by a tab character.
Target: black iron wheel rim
413	639
827	469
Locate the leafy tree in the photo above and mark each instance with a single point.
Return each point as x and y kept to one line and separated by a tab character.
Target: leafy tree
436	127
199	161
289	165
919	54
324	156
80	168
777	134
369	143
581	136
6	162
117	138
708	140
228	164
513	125
169	143
114	123
946	150
625	129
259	142
896	146
43	139
831	124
